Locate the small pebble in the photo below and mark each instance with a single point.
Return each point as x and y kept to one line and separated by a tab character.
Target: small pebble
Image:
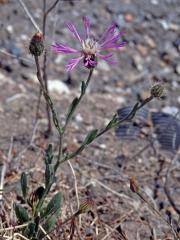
170	110
79	118
58	86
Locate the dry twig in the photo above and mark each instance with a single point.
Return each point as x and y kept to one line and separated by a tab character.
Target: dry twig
29	15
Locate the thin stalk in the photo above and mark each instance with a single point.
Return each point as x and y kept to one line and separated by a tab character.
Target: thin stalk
80	98
49	129
40	203
56	123
129	117
61	137
46	96
38	103
44	69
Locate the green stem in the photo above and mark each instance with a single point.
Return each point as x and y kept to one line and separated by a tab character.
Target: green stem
40	203
55	121
80	98
129	117
61	137
46	95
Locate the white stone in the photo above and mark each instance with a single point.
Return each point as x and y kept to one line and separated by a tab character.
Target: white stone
102	65
154	2
24	37
120	99
170	110
9	29
30	76
79	118
58	86
164	24
175	84
102	146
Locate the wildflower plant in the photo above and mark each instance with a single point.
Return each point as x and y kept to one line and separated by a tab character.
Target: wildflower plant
40	218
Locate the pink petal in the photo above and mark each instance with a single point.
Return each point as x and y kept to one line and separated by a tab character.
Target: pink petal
107	57
108	32
113	45
73	29
113	39
62	48
86	25
72	63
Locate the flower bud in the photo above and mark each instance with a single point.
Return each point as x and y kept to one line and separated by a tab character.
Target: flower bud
32	200
85	206
157	90
35	196
36	46
133	185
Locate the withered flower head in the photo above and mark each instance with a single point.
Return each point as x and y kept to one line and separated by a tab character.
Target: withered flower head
36	46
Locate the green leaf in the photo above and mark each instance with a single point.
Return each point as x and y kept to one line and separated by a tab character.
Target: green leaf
21	213
29	230
24	183
71	109
54	205
48	155
49	174
83	88
90	137
112	122
36	221
47	226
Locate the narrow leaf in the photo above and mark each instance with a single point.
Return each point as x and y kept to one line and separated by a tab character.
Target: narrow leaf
36	221
21	213
48	155
29	230
90	137
47	226
54	205
49	174
24	183
112	122
71	108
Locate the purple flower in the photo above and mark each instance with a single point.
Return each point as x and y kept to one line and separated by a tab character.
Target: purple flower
90	49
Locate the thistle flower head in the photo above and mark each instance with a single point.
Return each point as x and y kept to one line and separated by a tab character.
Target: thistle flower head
36	46
157	90
90	49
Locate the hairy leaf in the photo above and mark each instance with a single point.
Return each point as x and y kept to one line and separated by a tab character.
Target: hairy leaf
24	184
21	213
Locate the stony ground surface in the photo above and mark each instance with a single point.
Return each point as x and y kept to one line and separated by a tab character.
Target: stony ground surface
152	54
